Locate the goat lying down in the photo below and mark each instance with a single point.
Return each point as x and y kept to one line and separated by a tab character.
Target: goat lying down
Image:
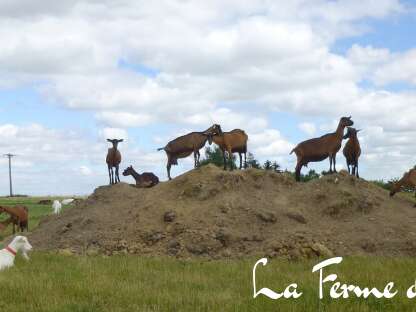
7	255
146	179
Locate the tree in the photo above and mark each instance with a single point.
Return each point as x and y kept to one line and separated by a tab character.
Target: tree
276	167
252	162
267	165
311	175
214	156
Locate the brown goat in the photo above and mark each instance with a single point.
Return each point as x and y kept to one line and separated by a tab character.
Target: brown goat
318	149
113	160
19	216
146	179
234	141
185	145
408	180
352	151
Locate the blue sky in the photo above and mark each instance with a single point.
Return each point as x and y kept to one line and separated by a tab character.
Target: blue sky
274	75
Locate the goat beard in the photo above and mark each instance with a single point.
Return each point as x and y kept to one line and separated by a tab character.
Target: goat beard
24	254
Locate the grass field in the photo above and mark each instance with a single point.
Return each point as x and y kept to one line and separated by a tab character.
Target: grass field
52	282
36	211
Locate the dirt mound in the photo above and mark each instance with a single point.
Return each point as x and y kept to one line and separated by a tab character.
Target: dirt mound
212	213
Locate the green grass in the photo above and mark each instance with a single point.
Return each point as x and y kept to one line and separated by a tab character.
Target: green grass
51	282
36	211
55	282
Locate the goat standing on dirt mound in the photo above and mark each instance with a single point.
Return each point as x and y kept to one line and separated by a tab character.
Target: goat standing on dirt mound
113	160
408	180
146	179
234	141
352	151
186	145
318	149
19	216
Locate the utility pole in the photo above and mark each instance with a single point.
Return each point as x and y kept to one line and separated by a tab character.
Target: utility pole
9	156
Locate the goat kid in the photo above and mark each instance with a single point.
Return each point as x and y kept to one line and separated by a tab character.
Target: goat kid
321	148
7	255
146	179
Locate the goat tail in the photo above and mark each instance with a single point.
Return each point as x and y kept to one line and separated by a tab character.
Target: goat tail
292	152
160	149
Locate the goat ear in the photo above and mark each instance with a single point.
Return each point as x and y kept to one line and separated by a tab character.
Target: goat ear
121	140
359	130
108	140
350	117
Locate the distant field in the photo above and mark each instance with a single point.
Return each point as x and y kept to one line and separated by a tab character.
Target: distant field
56	282
36	211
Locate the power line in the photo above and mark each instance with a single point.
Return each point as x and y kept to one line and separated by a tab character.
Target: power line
10	156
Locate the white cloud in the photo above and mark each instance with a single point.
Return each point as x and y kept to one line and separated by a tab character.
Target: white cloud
229	62
269	144
124	119
308	127
84	170
401	68
113	133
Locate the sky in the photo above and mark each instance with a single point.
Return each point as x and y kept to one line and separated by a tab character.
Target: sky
75	72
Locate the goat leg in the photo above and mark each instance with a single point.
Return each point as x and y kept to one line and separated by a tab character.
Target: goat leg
231	162
109	175
241	160
195	159
117	174
330	164
225	160
356	168
297	171
335	162
168	166
198	158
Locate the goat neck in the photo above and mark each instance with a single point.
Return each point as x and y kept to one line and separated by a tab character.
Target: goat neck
135	174
340	131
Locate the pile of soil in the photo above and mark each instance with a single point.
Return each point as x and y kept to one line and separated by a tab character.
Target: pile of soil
212	213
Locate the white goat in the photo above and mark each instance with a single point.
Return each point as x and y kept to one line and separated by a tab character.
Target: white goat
67	201
56	206
7	255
